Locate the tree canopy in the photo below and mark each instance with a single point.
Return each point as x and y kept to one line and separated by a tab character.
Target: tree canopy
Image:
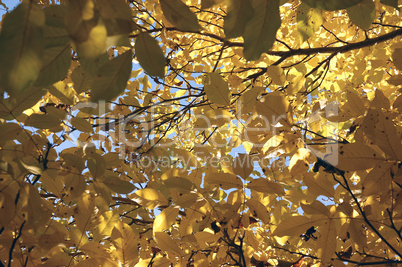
201	133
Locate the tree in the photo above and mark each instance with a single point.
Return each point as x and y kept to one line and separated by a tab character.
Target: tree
107	162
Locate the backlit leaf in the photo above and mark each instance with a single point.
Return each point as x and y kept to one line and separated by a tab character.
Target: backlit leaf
332	5
165	219
238	14
273	107
57	53
392	3
224	180
166	243
150	55
276	74
295	225
362	14
381	130
265	186
62	91
308	20
112	78
258	210
355	156
126	243
21	47
260	32
397	58
217	89
149	198
9	131
180	15
117	185
243	165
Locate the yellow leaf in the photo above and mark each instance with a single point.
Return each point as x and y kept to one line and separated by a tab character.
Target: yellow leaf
63	92
84	213
81	125
149	197
355	103
357	232
224	180
166	243
94	249
165	219
300	161
249	99
354	157
180	15
183	185
316	208
9	131
7	207
43	121
273	107
217	89
117	185
206	239
318	184
326	243
243	165
295	225
258	210
150	55
378	180
96	165
397	58
276	74
382	132
308	20
265	186
126	243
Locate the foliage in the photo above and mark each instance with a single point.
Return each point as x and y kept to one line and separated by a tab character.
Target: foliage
107	162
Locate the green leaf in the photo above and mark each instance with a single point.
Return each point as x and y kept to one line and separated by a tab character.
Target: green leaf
392	3
225	180
117	16
82	80
362	14
112	78
57	53
150	55
92	65
86	28
180	15
260	32
117	185
331	5
238	14
308	20
217	89
21	47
